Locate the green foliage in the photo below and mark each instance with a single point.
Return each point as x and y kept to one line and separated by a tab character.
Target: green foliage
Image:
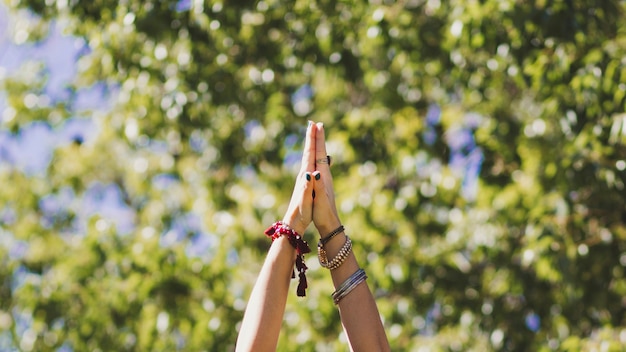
533	260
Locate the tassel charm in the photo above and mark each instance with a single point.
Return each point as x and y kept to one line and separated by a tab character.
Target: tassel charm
279	229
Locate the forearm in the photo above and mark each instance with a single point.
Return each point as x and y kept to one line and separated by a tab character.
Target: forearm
264	314
358	311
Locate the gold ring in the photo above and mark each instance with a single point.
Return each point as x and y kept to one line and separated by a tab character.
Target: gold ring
325	160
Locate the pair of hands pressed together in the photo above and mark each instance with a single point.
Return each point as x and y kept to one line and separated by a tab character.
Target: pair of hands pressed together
313	197
313	200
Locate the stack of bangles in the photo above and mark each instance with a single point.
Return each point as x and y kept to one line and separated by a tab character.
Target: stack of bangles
355	279
350	284
344	252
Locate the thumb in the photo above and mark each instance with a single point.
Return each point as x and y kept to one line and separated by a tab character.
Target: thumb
319	188
307	197
309	185
325	216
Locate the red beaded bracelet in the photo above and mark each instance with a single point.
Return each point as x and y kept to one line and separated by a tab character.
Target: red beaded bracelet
279	229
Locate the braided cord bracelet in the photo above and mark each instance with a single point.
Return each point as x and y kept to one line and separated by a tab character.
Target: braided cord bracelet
334	233
279	229
336	262
350	284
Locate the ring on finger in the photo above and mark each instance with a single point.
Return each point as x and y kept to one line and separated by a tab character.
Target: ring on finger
324	160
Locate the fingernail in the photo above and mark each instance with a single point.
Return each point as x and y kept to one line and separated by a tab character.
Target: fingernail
318	176
308	177
310	123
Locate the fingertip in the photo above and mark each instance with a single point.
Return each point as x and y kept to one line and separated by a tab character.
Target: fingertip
317	175
319	127
311	128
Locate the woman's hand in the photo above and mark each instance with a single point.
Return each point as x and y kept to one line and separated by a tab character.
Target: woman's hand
313	176
300	211
263	318
325	214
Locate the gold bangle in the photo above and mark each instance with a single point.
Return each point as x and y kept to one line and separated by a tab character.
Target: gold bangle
336	262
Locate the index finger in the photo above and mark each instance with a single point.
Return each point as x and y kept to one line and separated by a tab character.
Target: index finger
320	151
308	156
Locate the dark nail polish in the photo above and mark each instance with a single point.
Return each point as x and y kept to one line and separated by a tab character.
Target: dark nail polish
308	177
318	176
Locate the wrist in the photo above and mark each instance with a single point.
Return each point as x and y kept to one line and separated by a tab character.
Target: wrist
283	245
280	231
295	225
328	226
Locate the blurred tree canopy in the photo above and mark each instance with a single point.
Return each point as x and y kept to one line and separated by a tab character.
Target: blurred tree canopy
479	148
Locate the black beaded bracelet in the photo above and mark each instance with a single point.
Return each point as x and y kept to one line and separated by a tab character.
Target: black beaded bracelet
335	232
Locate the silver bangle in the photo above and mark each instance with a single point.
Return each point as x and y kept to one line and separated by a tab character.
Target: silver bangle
350	284
336	262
